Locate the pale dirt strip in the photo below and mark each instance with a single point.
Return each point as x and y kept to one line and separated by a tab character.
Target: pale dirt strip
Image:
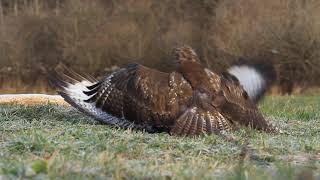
32	99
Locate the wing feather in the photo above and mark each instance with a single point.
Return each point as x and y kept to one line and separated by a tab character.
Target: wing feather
187	121
193	126
141	95
181	123
209	124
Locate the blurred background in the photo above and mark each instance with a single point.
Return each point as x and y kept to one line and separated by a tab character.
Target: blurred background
99	36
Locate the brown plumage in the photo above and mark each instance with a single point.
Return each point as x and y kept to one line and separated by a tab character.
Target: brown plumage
189	101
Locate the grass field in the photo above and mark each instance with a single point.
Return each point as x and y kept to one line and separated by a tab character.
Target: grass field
50	142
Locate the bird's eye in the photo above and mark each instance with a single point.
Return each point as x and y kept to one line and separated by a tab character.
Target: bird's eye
245	95
221	93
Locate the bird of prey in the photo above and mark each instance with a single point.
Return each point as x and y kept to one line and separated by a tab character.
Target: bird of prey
190	101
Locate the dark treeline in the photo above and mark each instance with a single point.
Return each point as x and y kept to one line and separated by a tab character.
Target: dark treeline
96	36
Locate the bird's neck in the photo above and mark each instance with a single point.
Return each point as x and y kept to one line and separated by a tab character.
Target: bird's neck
193	72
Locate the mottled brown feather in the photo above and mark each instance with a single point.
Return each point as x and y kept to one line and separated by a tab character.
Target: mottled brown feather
143	96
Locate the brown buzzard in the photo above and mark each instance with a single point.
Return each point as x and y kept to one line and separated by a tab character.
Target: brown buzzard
191	101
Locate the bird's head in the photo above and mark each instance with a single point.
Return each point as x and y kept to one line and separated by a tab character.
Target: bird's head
184	53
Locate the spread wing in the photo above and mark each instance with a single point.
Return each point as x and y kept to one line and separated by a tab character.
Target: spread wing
135	96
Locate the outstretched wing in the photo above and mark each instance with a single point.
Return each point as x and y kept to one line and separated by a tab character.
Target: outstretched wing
135	96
